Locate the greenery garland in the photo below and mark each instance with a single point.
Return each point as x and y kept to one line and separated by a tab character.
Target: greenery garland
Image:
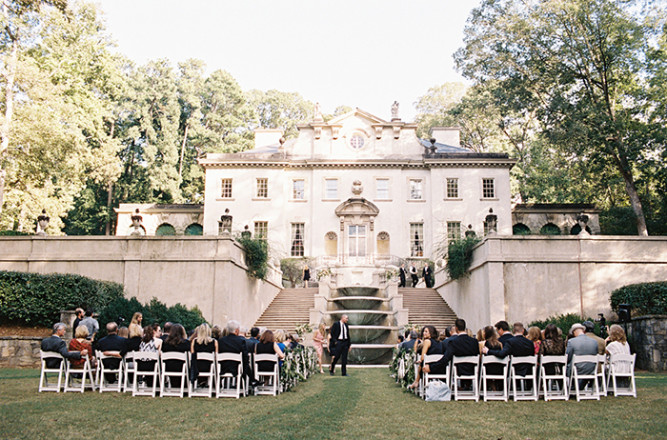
256	256
298	365
459	256
409	359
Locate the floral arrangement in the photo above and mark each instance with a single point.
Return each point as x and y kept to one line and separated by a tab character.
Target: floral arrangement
303	329
298	365
326	272
402	367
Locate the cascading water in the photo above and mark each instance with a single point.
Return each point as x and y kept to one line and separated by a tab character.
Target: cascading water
371	320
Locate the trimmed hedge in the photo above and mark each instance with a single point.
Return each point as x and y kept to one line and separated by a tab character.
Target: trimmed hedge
645	298
121	310
37	299
564	322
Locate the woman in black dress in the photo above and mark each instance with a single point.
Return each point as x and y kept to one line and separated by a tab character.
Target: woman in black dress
176	341
202	343
267	345
306	276
429	345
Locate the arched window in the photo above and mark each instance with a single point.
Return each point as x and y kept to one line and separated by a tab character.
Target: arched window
165	229
194	229
520	229
550	229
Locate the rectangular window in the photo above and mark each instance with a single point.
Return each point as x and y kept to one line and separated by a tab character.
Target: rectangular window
382	189
453	230
415	189
226	188
416	239
452	188
296	249
488	189
262	188
330	188
261	230
298	189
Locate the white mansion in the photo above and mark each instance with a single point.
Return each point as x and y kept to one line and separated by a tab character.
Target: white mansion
354	188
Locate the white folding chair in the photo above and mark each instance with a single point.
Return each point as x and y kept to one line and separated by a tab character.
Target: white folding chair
457	378
182	373
129	371
210	376
103	370
529	378
61	370
82	374
272	388
553	386
427	377
139	375
622	366
602	374
577	379
487	394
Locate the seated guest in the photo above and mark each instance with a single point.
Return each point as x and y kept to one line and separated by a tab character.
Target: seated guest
535	335
580	344
618	343
280	337
253	339
401	339
590	332
81	343
216	332
459	344
56	343
175	342
202	342
234	343
518	345
112	345
429	345
124	332
503	329
409	344
552	345
149	343
166	329
135	324
267	345
134	339
491	342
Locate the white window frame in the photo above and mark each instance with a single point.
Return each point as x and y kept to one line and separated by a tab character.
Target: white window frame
293	229
265	229
258	187
455	181
416	246
222	188
293	190
493	187
325	187
421	189
377	195
450	234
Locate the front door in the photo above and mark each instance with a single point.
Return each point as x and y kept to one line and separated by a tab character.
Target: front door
356	239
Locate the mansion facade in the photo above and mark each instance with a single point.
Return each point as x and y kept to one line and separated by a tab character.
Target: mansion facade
356	188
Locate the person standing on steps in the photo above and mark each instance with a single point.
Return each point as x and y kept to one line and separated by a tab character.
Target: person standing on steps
413	275
306	276
402	274
339	345
427	274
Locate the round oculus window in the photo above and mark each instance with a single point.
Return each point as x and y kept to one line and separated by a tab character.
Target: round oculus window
357	142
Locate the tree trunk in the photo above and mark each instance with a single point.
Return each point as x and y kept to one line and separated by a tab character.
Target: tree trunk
12	62
631	189
180	164
109	203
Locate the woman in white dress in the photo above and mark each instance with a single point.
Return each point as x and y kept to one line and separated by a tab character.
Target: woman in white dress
618	344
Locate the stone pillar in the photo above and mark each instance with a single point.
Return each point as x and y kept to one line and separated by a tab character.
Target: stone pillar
67	317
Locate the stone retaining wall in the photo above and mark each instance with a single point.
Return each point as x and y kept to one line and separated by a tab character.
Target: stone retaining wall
648	337
19	351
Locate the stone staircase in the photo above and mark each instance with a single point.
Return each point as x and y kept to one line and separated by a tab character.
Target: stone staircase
290	308
426	307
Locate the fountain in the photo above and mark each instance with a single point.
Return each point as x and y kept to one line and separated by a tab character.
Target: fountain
372	322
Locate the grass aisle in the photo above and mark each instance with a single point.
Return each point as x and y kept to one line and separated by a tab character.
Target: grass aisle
365	405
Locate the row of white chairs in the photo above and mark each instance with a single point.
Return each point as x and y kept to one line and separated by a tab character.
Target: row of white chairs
544	376
128	377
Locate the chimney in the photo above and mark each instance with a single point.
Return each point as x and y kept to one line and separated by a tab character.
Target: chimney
447	135
267	136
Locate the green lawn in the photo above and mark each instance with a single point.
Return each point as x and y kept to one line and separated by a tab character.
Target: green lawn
365	405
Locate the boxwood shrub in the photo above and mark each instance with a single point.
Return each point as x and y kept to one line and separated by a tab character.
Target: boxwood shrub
37	299
645	298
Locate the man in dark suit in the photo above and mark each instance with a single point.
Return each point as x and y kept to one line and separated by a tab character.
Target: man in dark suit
518	345
79	317
339	345
112	345
460	344
234	343
56	343
503	329
252	340
402	275
427	274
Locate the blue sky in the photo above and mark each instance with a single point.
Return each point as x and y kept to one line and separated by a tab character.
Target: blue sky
362	53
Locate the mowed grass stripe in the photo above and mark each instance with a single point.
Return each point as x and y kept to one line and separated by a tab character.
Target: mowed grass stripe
328	402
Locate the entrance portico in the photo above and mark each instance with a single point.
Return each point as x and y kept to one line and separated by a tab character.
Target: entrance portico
357	225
